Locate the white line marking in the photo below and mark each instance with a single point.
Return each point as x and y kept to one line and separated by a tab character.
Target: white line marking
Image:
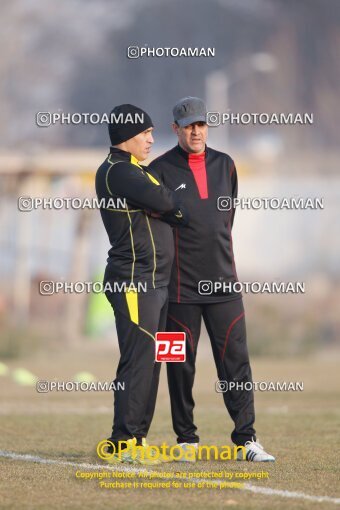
247	486
289	494
40	460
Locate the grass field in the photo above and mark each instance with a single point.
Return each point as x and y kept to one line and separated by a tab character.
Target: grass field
300	428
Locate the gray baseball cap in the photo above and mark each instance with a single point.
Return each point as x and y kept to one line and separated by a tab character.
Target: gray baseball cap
189	110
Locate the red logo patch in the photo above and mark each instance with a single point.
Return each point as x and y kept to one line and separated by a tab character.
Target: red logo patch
170	346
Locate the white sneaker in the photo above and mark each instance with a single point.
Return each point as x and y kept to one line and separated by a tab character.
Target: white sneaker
189	452
255	453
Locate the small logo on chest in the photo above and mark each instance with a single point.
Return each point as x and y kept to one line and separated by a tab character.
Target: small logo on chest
181	186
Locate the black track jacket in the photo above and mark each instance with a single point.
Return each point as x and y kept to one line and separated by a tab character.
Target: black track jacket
204	249
141	245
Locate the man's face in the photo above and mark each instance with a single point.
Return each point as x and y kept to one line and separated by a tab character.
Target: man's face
140	145
192	138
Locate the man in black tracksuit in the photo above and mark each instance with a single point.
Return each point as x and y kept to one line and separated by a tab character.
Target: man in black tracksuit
141	253
204	251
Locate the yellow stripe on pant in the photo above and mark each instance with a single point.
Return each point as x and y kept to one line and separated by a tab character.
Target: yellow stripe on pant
132	303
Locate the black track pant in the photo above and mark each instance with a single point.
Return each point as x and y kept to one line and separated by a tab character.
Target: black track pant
225	324
138	317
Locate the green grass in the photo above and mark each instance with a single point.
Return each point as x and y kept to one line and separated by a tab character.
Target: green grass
300	429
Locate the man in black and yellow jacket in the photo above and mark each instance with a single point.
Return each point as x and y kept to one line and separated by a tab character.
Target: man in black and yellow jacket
137	219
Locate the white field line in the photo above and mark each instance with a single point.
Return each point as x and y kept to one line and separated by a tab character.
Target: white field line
289	494
246	486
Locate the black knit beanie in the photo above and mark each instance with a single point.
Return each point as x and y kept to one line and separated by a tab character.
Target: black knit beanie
127	121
